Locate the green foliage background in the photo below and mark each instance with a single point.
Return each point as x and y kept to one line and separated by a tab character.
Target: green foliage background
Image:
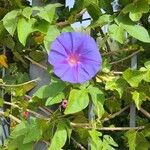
27	32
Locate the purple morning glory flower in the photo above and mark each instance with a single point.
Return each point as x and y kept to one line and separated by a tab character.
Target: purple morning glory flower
75	57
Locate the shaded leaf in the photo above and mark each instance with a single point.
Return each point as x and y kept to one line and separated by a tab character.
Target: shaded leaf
50	90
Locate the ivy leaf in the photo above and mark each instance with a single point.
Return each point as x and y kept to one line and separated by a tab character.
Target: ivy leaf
3	61
119	85
34	132
59	138
48	12
57	99
98	99
51	35
1	102
108	143
92	8
50	90
102	20
106	66
133	77
137	31
138	98
117	33
78	100
24	28
131	136
10	21
136	9
95	140
27	12
135	16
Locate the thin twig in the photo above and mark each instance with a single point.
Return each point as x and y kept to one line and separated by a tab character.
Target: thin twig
11	117
146	113
44	110
115	114
78	144
120	128
106	128
65	23
36	63
106	43
125	58
22	84
30	111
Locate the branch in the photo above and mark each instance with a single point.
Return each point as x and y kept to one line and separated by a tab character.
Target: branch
115	114
125	58
65	23
22	84
106	128
78	144
36	63
147	114
30	111
11	117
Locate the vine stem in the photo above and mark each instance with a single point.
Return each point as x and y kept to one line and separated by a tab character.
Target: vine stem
87	126
11	117
36	63
146	113
30	111
78	144
115	114
125	58
65	23
22	84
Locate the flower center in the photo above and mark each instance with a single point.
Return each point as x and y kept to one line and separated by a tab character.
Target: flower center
73	59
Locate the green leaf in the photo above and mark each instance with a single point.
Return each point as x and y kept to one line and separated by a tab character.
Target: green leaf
67	29
117	33
34	133
57	99
50	90
92	8
10	21
98	98
1	102
135	16
102	20
27	12
147	64
51	35
19	130
78	100
59	139
116	84
139	6
131	136
48	12
138	98
133	77
24	28
106	66
95	140
137	31
108	142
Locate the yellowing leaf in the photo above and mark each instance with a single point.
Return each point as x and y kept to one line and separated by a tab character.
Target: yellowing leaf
3	61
